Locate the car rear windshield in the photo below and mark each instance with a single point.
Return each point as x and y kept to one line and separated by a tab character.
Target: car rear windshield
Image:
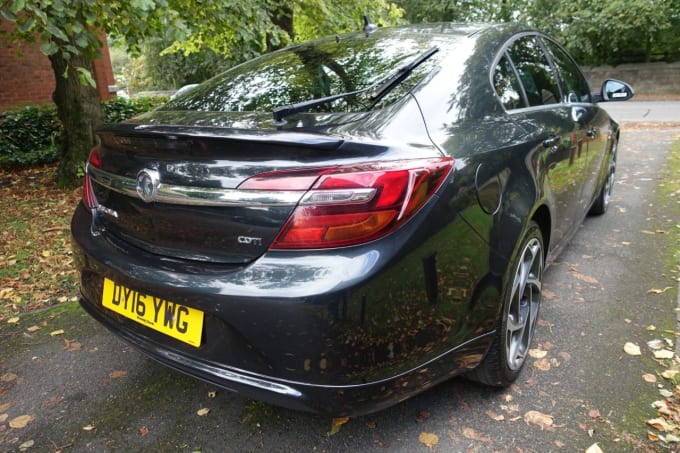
311	71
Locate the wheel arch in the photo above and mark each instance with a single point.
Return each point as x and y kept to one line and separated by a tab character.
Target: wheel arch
542	217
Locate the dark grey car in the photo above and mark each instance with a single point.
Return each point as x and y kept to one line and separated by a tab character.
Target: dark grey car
344	223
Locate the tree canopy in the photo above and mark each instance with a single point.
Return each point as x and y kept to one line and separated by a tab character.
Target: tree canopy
596	32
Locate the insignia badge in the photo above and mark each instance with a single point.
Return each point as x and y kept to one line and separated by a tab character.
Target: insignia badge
147	184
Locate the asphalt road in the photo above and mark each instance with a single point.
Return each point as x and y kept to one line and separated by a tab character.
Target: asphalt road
85	390
644	111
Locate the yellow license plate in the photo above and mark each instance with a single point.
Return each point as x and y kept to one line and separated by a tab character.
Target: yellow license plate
173	319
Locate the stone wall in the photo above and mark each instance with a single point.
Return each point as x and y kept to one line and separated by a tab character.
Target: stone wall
651	79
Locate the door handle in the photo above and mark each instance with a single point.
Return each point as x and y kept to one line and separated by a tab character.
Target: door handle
552	142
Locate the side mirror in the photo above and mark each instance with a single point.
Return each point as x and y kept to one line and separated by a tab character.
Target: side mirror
615	90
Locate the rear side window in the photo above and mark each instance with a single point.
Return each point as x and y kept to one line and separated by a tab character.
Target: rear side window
507	86
574	84
534	71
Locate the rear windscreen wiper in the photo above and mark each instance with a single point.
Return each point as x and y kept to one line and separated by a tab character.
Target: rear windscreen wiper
281	112
384	87
399	76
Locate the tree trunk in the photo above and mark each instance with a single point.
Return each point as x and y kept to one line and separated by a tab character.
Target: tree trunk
282	18
80	112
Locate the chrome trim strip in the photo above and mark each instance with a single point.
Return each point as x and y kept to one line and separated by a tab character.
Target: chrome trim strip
230	375
197	196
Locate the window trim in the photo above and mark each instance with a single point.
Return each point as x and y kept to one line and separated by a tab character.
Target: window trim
538	37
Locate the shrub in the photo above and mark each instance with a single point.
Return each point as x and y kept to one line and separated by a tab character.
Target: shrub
119	109
30	136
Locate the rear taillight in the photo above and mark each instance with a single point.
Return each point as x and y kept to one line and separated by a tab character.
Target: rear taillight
348	205
89	198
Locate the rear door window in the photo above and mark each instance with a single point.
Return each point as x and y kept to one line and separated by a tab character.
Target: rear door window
574	85
535	71
507	86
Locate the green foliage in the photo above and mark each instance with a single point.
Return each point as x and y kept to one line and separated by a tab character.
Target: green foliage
596	32
226	34
168	71
29	136
119	109
616	31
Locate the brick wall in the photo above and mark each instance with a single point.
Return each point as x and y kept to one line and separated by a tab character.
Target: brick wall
26	76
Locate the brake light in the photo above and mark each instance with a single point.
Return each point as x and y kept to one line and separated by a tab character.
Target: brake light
349	205
89	197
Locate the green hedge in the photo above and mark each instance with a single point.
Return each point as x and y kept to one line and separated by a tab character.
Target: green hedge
30	135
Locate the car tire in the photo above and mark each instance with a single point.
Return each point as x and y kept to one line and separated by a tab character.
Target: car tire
522	296
602	203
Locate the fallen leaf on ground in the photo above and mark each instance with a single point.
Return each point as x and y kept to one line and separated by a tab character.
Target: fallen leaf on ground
665	393
655	344
631	349
660	424
88	427
5	406
57	332
594	449
651	327
583	278
659	291
542	364
544	421
21	421
648	377
13	320
474	435
430	440
143	431
33	329
593	413
494	416
50	403
371	425
117	374
546	293
8	377
663	354
203	412
3	417
26	445
336	424
537	353
669	374
70	345
422	416
212	394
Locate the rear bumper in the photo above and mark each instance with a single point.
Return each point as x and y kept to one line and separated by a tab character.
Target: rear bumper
336	400
342	332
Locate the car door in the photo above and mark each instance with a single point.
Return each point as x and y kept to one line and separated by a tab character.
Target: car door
589	119
562	139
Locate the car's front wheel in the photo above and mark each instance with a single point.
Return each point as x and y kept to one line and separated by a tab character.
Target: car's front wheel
522	297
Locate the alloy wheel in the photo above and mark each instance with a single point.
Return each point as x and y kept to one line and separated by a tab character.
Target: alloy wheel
522	308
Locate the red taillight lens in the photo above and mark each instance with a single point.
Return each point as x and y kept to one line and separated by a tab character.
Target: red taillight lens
356	204
89	198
